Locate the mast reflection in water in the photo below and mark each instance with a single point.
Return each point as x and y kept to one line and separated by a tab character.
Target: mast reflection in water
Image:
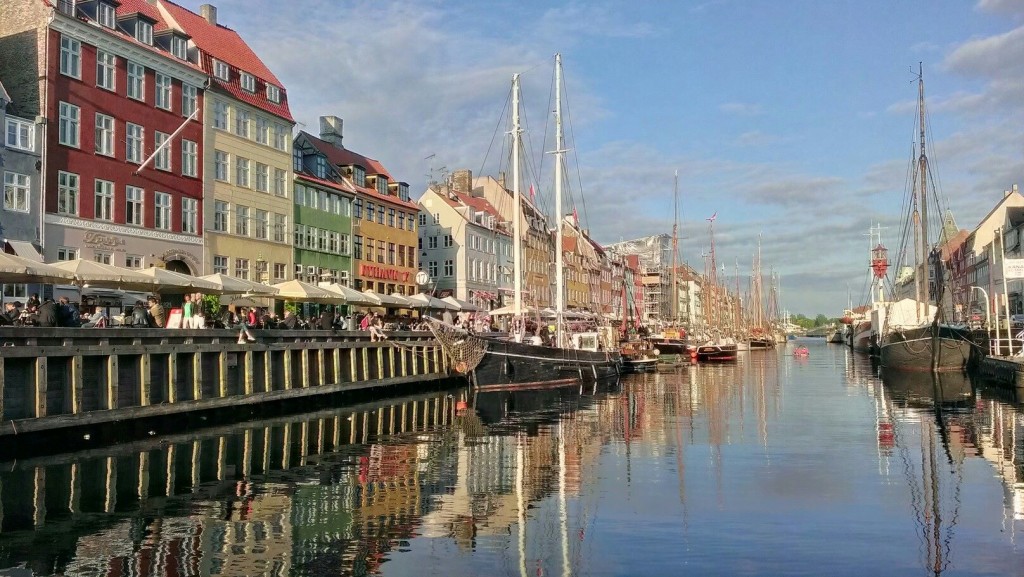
772	465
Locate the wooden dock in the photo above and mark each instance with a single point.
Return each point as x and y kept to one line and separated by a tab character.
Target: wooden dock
54	378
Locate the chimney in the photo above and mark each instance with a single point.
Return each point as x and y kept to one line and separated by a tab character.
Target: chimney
330	130
462	180
209	13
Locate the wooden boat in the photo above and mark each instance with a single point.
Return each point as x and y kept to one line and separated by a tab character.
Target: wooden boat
638	356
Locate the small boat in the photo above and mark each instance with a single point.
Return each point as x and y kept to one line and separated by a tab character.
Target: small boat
638	356
801	351
717	350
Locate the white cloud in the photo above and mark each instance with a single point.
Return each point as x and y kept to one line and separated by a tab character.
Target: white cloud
1001	6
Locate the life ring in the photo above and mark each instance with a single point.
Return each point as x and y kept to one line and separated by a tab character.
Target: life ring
462	367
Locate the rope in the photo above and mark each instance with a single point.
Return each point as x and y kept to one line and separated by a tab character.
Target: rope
464	350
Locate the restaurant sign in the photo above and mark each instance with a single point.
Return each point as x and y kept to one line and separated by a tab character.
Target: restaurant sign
383	273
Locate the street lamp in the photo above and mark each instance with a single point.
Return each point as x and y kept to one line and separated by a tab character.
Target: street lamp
984	294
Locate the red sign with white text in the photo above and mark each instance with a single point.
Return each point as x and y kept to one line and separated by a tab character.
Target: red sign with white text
383	273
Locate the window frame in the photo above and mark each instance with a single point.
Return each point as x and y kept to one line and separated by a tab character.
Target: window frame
164	91
162	202
17	191
103	197
70	57
136	88
105	129
106	70
134	205
24	134
69	124
68	194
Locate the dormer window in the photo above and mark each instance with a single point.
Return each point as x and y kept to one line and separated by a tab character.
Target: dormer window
403	191
382	185
144	32
321	166
220	70
273	93
359	176
248	82
105	15
297	159
179	47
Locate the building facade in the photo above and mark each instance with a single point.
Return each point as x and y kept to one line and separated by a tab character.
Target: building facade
120	91
383	217
247	158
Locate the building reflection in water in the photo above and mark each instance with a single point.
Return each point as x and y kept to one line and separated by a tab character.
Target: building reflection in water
504	474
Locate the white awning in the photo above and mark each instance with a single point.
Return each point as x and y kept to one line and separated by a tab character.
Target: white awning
24	249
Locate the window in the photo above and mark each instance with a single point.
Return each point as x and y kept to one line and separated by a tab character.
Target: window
163	157
144	32
220	115
403	191
344	206
448	241
281	134
163	91
132	261
437	218
221	70
189	99
179	47
300	236
357	247
221	210
189	158
220	165
105	15
262	224
357	208
432	242
381	251
65	253
242	220
280	183
242	172
449	268
103	257
411	256
391	253
382	185
242	268
297	160
423	219
68	124
262	177
106	69
380	214
242	123
133	205
162	211
16	191
67	193
262	130
104	134
20	134
280	227
189	215
133	142
401	220
70	57
343	241
279	269
273	93
370	207
136	81
409	223
370	246
391	217
432	268
248	82
220	264
359	176
104	197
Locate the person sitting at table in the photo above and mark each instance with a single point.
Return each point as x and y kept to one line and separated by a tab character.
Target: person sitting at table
10	314
156	313
96	320
46	316
289	321
139	317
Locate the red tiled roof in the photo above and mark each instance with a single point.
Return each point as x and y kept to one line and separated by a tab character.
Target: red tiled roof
344	186
224	44
344	157
476	203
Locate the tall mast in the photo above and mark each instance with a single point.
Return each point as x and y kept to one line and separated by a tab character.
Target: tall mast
675	248
559	159
921	252
517	211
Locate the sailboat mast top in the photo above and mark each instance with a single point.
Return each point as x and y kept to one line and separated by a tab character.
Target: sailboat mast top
517	211
559	159
921	252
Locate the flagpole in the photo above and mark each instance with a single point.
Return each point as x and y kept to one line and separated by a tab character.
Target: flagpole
166	142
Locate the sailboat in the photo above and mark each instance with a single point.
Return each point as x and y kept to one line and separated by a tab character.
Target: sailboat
520	360
672	339
914	334
761	336
717	346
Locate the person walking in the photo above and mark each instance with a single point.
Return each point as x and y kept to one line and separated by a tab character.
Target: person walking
186	313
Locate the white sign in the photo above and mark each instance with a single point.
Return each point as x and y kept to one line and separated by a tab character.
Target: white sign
1013	268
422	278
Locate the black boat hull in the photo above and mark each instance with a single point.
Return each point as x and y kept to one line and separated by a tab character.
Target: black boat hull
509	364
716	353
671	346
911	349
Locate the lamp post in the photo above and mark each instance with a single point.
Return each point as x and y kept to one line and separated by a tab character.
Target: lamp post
988	318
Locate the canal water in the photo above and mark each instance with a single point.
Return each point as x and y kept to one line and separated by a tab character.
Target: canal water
775	465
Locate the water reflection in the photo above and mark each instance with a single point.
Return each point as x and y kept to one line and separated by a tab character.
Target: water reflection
771	465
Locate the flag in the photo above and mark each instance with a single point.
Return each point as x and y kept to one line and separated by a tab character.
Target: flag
575	217
713	216
531	192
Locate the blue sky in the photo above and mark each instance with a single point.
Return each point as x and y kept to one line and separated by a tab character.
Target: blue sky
791	119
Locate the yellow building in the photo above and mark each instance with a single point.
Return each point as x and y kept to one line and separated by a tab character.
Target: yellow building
247	156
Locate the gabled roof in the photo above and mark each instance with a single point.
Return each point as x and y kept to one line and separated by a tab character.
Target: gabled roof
224	44
344	157
144	9
4	97
343	186
463	200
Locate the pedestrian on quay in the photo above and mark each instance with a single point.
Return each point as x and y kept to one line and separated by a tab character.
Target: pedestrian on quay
187	312
157	316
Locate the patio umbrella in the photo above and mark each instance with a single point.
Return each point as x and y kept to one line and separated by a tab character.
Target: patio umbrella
463	305
170	282
97	274
15	269
426	301
507	310
409	303
351	295
231	285
383	300
296	290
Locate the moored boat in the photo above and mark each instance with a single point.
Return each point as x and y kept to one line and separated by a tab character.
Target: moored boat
638	356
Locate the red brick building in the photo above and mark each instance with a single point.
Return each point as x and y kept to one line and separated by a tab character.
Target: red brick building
114	83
